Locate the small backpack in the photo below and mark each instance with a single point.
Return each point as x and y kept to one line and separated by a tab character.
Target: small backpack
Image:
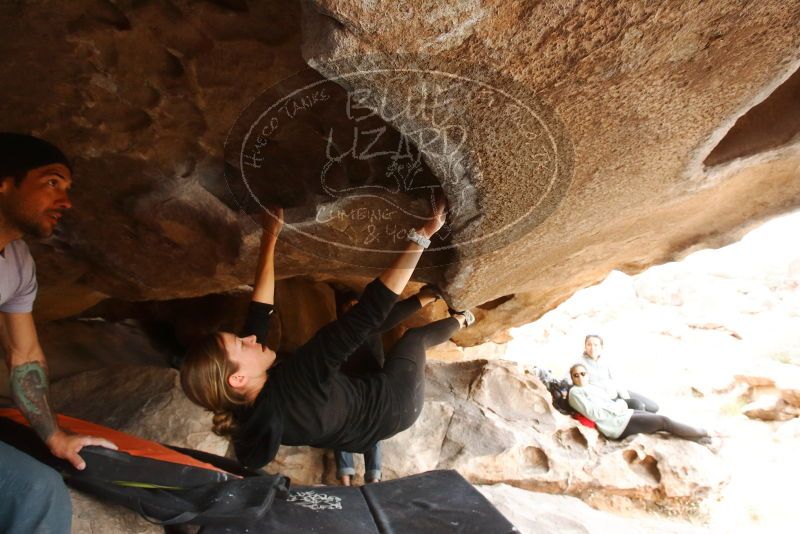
559	389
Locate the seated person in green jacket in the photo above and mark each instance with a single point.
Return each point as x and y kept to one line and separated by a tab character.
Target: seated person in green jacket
613	417
307	399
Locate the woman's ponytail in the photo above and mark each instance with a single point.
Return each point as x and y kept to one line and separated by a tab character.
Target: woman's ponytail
223	423
204	379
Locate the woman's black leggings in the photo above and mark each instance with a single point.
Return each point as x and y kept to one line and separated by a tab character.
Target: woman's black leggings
649	423
640	402
405	368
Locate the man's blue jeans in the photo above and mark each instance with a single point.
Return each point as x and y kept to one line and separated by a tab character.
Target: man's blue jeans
33	497
372	463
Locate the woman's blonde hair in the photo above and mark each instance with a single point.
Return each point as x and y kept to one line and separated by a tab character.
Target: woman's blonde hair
204	379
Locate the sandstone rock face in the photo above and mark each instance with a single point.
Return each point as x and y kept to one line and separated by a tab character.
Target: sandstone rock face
75	346
145	401
142	96
541	513
765	399
644	98
90	515
450	352
769	408
302	306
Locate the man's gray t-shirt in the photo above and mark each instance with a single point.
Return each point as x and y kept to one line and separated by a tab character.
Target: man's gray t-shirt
17	278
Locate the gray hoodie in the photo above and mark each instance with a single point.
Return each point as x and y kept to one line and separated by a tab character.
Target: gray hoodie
600	375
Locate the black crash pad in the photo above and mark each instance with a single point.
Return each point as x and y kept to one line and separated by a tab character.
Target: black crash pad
430	503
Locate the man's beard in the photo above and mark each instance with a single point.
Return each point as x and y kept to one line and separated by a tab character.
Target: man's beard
26	224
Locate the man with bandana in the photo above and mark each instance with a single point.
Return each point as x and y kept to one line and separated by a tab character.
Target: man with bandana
35	177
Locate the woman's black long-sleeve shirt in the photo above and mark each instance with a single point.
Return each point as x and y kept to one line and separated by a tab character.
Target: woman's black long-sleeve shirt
370	357
307	400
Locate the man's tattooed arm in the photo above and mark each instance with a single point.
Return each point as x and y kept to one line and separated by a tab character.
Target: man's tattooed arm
30	391
30	388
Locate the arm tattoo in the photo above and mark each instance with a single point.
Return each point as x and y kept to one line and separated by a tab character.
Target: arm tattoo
30	389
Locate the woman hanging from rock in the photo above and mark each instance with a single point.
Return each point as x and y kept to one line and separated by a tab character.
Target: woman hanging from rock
613	417
307	399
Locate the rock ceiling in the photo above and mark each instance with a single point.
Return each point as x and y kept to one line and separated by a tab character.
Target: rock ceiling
570	138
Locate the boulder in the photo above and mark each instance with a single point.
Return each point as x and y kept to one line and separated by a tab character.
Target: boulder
145	133
590	73
770	396
451	352
145	401
609	163
791	396
770	408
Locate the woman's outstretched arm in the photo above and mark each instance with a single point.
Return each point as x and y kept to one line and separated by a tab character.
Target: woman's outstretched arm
272	224
324	353
399	273
261	303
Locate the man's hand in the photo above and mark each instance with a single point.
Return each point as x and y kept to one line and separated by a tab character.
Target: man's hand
67	446
272	221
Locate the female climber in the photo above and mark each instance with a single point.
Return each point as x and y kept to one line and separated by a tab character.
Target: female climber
613	417
307	399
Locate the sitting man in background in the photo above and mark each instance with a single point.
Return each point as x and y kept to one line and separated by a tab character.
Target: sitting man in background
600	376
34	179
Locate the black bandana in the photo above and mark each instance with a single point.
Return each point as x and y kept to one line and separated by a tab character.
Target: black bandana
19	153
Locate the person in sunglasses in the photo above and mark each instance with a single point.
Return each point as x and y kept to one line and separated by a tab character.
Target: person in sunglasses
613	417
